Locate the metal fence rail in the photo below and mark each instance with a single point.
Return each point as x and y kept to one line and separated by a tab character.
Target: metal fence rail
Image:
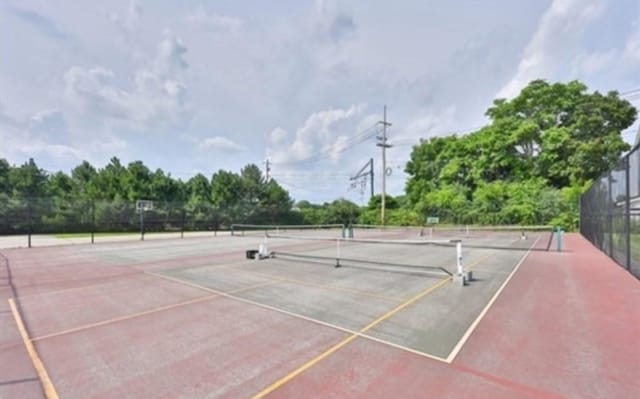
32	216
610	212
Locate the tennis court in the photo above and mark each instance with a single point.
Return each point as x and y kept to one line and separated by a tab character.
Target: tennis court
196	318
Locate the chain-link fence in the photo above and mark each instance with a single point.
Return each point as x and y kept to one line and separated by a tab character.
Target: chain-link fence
62	217
610	212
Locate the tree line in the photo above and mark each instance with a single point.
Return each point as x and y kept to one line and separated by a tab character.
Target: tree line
529	165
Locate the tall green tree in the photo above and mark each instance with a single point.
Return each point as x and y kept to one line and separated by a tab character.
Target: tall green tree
563	133
5	168
163	187
109	183
28	180
198	189
253	184
136	181
549	137
85	180
226	188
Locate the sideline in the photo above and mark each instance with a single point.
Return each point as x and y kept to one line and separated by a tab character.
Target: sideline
45	381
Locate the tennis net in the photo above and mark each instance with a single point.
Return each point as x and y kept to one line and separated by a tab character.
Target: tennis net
328	230
423	257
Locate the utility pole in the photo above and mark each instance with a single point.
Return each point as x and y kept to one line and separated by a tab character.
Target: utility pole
362	174
382	143
267	169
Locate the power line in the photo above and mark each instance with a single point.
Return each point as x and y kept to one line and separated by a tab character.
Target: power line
335	148
631	92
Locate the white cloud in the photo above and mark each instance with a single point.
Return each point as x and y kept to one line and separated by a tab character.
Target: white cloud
632	46
216	22
157	97
319	137
429	124
331	23
127	23
219	143
37	135
594	62
554	43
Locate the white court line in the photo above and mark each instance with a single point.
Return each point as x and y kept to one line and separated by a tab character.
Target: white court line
305	318
465	337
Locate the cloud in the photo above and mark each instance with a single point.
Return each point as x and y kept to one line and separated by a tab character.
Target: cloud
50	122
40	134
632	46
429	124
317	139
43	24
215	22
127	23
589	63
219	143
157	97
331	23
554	42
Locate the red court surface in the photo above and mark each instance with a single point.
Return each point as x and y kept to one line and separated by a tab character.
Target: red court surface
566	325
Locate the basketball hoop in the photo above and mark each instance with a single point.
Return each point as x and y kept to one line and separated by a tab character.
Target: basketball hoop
144	205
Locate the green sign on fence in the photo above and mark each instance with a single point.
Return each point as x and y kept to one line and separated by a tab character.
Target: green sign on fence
433	220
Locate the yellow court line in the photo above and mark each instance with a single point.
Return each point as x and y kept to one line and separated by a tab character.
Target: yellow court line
144	313
310	319
122	318
277	384
45	381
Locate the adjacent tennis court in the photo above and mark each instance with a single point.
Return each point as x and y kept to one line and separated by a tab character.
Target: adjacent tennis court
270	310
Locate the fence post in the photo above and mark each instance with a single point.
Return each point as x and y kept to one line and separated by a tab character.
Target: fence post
627	216
183	221
93	220
141	224
29	226
610	213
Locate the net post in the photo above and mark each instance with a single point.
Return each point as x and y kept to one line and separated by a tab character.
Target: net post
559	234
461	278
459	258
338	253
263	250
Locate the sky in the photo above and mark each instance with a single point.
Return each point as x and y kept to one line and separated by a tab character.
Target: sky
198	86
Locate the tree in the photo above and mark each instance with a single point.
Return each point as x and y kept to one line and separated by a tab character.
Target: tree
136	181
5	169
342	211
164	188
562	132
198	189
549	137
252	183
84	180
60	185
109	184
28	180
375	202
275	202
226	188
